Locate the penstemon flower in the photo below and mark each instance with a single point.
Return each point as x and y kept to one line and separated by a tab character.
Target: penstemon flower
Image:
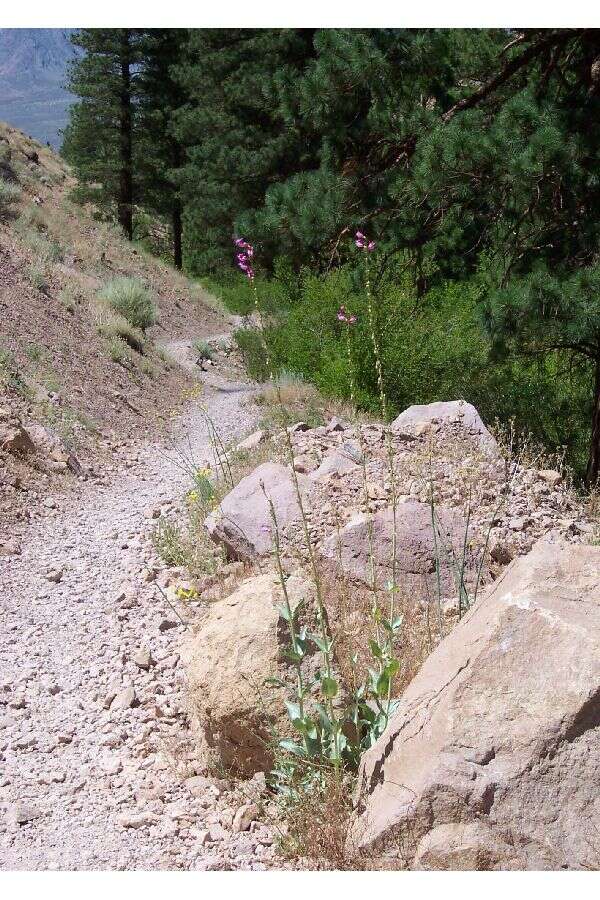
363	243
343	316
244	256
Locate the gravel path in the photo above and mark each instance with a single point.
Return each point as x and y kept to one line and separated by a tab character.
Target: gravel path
95	766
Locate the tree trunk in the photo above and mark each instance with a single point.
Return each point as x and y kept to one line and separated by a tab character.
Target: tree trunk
177	210
593	467
177	230
125	211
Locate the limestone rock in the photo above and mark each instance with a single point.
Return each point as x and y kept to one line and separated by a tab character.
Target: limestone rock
22	813
252	441
125	699
415	550
335	463
227	662
457	414
492	760
243	521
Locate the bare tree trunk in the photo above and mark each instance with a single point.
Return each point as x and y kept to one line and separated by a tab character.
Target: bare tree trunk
176	214
177	230
125	210
593	467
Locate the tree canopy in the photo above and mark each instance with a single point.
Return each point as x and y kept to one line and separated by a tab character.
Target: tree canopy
467	154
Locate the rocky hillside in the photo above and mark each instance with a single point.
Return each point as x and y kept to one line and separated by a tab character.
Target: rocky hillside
66	369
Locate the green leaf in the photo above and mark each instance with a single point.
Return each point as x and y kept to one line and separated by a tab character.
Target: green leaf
392	667
284	613
324	646
293	656
329	687
375	649
274	682
293	710
383	683
292	747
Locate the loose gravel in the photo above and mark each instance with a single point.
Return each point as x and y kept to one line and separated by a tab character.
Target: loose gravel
96	767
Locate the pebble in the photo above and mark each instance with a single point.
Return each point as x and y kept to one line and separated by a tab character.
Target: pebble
22	813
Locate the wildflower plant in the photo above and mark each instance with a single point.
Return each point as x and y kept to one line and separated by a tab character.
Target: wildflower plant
334	725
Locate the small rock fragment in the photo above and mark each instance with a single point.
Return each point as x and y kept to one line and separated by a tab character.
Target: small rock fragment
244	817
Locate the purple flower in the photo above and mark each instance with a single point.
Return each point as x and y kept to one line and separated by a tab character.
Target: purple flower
343	316
363	243
243	258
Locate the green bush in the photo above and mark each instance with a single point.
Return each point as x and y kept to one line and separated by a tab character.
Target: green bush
251	346
433	348
9	195
130	298
204	350
237	293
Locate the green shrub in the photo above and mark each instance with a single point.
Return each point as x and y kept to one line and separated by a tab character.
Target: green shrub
204	350
237	293
45	249
9	195
36	274
252	349
130	298
433	348
118	350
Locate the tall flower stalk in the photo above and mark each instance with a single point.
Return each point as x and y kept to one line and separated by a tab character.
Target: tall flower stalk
328	684
367	247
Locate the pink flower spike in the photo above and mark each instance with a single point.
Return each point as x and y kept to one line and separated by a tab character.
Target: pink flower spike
371	245
360	236
351	320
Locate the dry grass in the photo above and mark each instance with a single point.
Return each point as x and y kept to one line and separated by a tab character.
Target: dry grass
290	399
113	326
316	831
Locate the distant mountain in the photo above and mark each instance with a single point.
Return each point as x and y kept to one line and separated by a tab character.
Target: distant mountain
33	64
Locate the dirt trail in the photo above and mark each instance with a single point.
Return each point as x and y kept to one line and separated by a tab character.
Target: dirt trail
81	785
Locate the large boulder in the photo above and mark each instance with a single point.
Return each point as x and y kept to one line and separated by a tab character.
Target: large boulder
454	415
243	522
415	548
493	758
238	646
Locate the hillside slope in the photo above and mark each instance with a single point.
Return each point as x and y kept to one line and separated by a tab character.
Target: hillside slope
62	363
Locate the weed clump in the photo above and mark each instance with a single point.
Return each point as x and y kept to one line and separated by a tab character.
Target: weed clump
114	327
130	299
9	196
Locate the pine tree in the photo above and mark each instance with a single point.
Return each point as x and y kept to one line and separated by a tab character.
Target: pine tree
159	152
508	181
98	141
237	141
